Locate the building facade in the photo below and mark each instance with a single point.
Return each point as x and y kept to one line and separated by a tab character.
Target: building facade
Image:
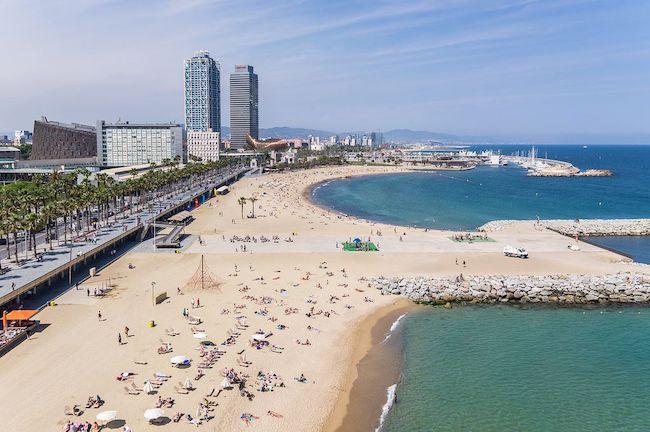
202	93
203	145
125	144
54	140
243	106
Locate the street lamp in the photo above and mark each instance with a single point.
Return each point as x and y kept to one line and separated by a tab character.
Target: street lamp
153	298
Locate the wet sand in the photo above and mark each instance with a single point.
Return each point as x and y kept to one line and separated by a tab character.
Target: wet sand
375	366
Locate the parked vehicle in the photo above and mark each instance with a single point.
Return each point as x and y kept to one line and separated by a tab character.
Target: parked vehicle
515	252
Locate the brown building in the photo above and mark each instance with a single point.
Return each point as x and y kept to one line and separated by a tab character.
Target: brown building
54	140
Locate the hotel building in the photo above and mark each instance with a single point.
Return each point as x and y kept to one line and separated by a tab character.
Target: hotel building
203	145
202	93
123	144
243	106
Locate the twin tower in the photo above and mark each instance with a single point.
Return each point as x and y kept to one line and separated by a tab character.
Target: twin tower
203	99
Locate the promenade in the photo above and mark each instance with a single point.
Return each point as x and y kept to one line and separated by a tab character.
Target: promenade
62	260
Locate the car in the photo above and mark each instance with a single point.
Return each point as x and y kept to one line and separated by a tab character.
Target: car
516	252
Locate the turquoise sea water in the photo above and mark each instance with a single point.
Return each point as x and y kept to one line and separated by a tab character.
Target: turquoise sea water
505	368
465	200
501	368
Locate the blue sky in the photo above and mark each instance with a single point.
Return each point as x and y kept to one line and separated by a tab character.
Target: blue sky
492	67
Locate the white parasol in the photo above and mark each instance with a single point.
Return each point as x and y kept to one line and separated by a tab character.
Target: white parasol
106	416
200	335
148	387
225	383
179	360
153	413
187	385
257	337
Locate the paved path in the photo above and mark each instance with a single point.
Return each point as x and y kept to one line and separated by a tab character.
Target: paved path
19	279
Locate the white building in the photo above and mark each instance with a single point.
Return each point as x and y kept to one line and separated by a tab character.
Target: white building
315	144
22	136
203	145
124	144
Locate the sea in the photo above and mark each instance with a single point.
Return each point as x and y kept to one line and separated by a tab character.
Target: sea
464	200
510	368
506	368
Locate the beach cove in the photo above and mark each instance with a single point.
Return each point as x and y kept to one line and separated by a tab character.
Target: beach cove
310	300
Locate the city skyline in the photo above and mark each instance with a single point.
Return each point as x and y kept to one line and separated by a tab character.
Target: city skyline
506	68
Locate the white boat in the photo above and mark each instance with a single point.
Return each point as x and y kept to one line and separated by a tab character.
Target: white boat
516	252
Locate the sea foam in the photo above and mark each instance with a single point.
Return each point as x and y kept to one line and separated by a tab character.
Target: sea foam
390	399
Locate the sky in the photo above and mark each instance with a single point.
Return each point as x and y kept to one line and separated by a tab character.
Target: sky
475	67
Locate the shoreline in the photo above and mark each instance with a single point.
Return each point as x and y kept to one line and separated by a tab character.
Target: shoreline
373	367
308	195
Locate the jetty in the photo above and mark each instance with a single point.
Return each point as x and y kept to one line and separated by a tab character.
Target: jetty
624	287
541	167
581	227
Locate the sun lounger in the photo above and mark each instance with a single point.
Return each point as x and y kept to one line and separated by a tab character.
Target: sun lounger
131	392
180	390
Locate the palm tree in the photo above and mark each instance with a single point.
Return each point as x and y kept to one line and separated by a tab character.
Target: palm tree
252	200
242	201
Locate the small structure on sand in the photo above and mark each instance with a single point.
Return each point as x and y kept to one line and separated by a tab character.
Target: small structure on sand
202	279
358	245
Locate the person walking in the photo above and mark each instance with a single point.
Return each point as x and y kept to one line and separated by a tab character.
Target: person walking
99	315
119	338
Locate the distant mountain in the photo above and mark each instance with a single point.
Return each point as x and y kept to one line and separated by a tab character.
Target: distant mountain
289	132
408	136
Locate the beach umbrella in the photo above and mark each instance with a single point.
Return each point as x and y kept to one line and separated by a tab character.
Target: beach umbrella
148	387
257	337
153	413
225	383
357	240
177	360
106	416
200	335
187	385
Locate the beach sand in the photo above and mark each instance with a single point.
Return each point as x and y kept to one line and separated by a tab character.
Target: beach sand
77	355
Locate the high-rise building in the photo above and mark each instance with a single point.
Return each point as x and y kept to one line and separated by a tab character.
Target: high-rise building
203	145
202	93
54	140
123	144
243	106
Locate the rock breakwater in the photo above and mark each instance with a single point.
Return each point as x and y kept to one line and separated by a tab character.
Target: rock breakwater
582	227
624	287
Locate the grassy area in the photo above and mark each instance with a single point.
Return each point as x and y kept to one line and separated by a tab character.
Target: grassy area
363	246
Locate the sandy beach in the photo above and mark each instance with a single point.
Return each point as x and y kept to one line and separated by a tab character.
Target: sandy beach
292	283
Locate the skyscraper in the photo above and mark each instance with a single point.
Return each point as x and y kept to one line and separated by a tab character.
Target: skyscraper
202	93
243	106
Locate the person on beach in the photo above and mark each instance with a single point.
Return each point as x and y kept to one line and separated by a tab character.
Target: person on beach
126	331
119	338
99	315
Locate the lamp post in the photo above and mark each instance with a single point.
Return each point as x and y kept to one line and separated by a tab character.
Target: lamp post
153	297
70	266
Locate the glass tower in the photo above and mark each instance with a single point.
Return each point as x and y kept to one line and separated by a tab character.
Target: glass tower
243	106
202	93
